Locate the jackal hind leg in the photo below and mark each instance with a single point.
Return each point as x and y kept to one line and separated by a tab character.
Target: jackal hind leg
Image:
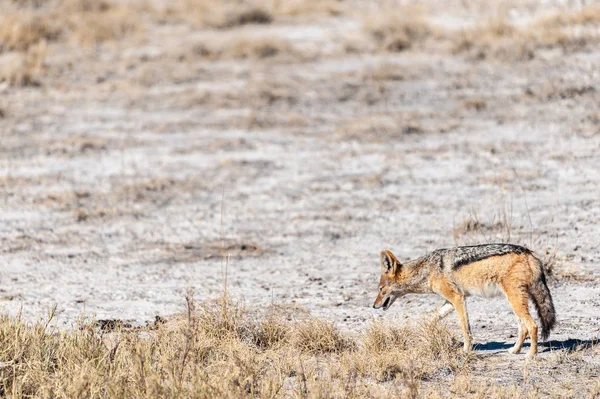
520	338
519	301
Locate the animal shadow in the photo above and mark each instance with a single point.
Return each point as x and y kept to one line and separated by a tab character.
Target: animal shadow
568	345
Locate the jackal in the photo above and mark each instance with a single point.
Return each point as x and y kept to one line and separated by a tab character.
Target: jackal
487	270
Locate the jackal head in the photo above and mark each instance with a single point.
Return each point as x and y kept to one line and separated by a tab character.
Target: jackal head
389	287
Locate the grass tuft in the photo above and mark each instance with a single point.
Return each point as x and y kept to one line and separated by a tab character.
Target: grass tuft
317	336
20	31
502	39
396	31
245	15
24	69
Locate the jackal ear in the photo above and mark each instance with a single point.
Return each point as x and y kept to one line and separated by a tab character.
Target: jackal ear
389	263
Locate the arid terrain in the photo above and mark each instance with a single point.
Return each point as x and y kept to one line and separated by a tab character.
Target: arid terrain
274	148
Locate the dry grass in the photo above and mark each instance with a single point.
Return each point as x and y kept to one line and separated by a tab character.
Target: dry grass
398	30
219	349
316	336
222	14
27	31
497	39
21	30
230	14
93	25
249	48
501	39
257	48
588	15
24	69
477	104
380	127
386	72
83	21
495	230
309	7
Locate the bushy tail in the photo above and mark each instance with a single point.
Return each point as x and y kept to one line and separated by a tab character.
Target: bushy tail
543	302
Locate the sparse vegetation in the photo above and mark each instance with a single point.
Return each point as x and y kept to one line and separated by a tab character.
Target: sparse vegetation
309	7
381	128
244	15
477	104
502	39
397	30
26	32
222	14
256	48
24	69
386	72
71	20
220	349
217	349
21	30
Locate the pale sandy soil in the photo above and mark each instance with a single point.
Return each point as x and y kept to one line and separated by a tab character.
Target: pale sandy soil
114	170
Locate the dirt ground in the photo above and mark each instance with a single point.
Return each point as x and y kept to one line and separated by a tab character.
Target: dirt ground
303	146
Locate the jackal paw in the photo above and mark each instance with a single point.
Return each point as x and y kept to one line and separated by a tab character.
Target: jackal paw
514	350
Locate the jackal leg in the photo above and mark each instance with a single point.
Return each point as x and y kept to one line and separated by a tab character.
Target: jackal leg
460	305
519	301
458	302
444	310
447	290
520	338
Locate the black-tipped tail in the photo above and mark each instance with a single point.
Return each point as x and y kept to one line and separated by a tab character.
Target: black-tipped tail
543	304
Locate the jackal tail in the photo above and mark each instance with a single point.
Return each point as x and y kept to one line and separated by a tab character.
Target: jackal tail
542	299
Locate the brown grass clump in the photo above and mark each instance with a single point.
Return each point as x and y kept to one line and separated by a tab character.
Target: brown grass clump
498	39
309	7
23	69
588	15
271	331
398	30
21	30
381	127
474	229
385	72
89	22
381	335
219	14
99	26
216	349
84	21
250	48
243	15
264	47
477	104
27	32
502	39
316	336
261	47
407	355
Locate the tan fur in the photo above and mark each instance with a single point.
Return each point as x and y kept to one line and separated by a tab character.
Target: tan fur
511	274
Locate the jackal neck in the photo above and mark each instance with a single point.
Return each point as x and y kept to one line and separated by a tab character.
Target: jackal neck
414	276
